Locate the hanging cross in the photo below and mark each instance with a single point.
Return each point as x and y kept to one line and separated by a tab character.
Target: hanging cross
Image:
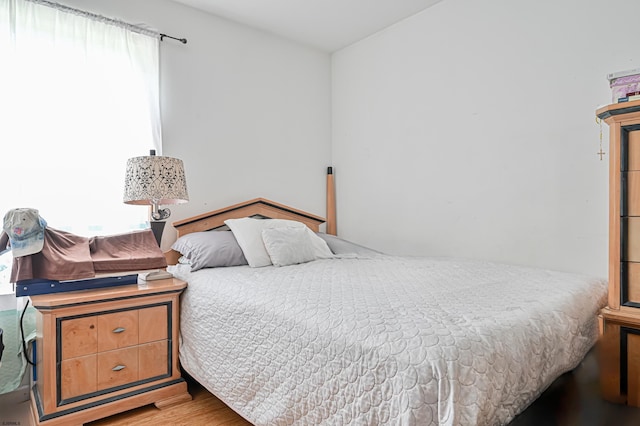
601	153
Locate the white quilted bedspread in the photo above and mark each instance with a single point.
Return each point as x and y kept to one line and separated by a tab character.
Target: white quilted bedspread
387	340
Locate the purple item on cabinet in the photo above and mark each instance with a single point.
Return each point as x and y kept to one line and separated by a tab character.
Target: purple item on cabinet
624	85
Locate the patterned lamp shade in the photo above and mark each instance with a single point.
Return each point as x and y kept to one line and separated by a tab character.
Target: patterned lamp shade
155	180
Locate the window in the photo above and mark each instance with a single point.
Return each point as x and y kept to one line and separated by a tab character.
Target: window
79	97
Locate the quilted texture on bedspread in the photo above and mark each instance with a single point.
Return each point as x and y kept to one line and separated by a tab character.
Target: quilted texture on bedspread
385	340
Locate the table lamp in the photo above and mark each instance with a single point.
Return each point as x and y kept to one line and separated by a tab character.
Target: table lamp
155	180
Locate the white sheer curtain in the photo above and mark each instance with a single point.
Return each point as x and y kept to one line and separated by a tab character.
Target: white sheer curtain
78	97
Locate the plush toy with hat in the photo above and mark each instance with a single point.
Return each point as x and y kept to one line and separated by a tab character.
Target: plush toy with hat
25	230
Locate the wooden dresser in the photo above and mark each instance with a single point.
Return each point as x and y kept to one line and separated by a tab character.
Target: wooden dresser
619	346
104	351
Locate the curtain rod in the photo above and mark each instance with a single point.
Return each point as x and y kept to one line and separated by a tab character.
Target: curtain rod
181	40
118	23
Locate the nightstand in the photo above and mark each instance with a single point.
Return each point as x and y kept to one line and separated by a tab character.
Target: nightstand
101	352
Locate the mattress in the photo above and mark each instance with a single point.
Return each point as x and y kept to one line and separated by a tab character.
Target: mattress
384	339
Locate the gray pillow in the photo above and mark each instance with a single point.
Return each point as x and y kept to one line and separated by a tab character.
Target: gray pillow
210	249
340	246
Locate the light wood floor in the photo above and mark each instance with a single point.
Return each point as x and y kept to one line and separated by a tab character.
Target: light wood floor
204	409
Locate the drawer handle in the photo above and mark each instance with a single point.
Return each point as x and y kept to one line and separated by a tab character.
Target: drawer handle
118	330
118	368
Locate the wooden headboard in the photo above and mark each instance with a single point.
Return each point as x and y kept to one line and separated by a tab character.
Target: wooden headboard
258	207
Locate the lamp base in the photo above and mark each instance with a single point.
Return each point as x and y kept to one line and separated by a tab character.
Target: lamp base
157	227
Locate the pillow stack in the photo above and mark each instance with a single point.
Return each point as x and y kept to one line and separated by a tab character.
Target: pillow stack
277	242
256	242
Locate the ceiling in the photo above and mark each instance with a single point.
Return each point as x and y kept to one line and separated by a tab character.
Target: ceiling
326	24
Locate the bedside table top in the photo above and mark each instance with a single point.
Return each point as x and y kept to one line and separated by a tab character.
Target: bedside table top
143	288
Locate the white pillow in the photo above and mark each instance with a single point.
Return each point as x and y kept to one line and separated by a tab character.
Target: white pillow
248	233
288	246
320	247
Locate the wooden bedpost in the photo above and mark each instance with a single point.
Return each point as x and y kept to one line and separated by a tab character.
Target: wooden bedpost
332	228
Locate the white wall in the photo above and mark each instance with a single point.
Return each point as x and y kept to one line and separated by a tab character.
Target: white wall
469	130
247	112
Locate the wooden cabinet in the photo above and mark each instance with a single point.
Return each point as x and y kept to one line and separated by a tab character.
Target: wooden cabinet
100	352
619	346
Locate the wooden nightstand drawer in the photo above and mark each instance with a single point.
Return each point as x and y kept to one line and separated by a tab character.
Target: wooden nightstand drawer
78	376
117	330
153	360
79	336
105	332
153	324
88	374
117	368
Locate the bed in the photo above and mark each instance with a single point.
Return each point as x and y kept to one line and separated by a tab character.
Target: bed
360	337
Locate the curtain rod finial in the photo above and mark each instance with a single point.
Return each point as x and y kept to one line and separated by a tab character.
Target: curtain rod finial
181	40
